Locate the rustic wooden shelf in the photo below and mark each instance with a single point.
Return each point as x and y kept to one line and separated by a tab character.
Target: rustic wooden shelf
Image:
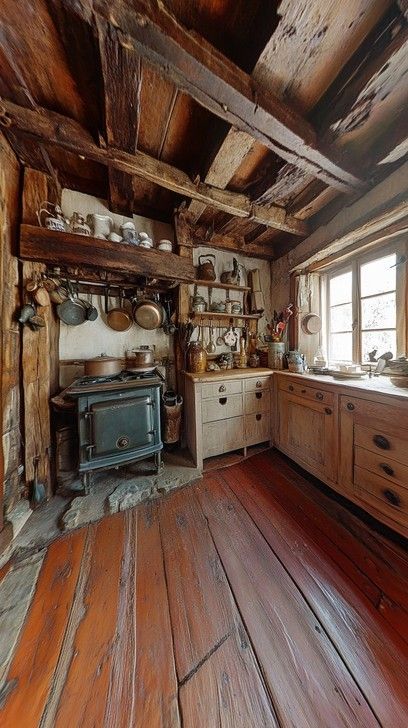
224	286
217	314
66	249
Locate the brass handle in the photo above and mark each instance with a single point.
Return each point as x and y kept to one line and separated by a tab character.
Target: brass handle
381	442
258	384
258	417
392	497
387	468
328	411
122	442
350	406
222	388
258	395
291	387
319	395
223	400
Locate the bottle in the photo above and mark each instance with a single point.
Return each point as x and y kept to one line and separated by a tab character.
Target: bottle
196	357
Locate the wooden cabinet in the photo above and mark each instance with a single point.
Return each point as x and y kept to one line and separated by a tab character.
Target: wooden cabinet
307	431
224	414
374	457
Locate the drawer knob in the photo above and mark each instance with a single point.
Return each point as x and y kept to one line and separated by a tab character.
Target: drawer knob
381	442
328	410
258	417
319	395
303	391
392	497
291	387
258	384
387	468
222	388
258	395
223	400
350	406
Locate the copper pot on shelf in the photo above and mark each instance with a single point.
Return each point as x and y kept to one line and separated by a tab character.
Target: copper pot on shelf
205	269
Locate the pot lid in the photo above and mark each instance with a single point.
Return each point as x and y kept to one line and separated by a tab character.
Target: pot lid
104	357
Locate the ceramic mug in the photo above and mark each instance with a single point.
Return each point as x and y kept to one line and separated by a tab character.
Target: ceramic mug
165	245
115	238
100	224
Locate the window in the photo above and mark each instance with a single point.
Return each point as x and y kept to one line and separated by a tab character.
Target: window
366	310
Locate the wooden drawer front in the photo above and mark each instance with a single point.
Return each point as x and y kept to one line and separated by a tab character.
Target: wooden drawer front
220	437
381	440
365	411
390	498
381	465
254	384
257	401
220	389
222	408
302	390
257	428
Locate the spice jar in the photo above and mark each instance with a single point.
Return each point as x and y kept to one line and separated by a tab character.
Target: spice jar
196	357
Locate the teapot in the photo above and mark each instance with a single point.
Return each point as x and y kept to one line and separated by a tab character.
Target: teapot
52	217
78	225
206	270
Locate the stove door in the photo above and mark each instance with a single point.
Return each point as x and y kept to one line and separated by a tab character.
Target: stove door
119	426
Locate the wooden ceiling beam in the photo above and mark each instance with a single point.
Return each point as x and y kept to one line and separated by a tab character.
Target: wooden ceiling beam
197	68
51	128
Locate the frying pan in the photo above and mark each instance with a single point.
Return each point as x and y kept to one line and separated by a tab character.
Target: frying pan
148	314
72	312
117	318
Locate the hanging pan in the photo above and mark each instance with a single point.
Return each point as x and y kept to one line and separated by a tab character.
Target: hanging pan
117	318
71	312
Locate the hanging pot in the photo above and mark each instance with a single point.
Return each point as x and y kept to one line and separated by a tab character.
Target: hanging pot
71	312
148	314
103	366
117	318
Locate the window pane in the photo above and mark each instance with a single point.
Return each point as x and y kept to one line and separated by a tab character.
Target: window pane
381	340
341	347
378	312
378	276
340	289
341	318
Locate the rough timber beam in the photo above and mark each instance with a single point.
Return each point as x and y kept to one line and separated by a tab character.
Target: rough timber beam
50	128
213	81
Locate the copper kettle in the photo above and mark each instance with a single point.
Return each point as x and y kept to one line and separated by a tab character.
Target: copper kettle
206	270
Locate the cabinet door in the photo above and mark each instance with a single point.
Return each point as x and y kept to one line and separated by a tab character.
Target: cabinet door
308	433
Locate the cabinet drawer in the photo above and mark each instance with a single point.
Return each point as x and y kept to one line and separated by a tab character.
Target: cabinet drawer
257	401
255	383
222	408
382	465
220	437
220	389
382	440
257	428
390	498
303	390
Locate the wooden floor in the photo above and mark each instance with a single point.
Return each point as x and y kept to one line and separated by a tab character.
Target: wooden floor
250	599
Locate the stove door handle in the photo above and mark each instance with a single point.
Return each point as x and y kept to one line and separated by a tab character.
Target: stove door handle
87	414
89	449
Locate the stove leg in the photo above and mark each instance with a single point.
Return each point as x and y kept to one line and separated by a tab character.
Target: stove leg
158	461
86	479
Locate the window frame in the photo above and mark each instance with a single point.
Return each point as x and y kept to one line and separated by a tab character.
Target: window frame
354	264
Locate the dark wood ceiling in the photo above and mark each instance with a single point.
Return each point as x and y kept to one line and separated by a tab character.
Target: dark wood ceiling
341	66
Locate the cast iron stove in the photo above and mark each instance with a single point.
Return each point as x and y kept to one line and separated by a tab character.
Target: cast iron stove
118	420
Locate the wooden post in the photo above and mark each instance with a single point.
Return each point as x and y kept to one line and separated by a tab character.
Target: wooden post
39	348
185	250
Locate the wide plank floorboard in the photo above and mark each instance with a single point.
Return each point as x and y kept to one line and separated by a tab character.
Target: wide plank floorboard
251	599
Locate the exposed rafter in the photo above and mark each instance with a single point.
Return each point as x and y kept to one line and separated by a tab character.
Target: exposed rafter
54	129
214	82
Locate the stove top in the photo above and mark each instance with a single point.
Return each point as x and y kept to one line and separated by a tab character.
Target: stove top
123	380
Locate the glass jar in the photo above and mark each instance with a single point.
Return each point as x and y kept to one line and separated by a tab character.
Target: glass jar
196	357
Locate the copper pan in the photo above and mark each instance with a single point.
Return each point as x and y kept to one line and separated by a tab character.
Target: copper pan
117	318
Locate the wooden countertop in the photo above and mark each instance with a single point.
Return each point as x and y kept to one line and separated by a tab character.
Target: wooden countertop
229	374
375	385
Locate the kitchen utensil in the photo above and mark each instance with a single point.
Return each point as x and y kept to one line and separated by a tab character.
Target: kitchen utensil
230	276
78	226
71	312
145	240
115	237
38	492
211	347
59	294
220	339
91	312
102	366
117	318
311	323
148	314
198	304
165	245
140	358
35	288
37	321
196	357
230	336
206	270
382	362
26	313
